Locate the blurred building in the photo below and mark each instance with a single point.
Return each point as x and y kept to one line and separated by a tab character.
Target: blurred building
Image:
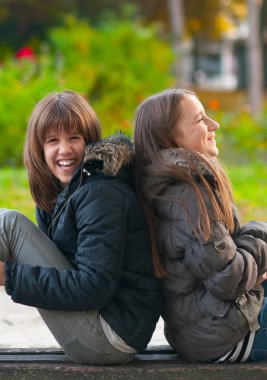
223	64
215	65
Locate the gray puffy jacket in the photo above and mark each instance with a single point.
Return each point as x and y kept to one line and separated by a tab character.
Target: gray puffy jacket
211	301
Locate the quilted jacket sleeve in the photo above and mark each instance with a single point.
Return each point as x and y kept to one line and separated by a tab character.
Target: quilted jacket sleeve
101	223
227	266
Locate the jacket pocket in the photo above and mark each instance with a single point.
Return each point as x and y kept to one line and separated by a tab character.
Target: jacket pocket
208	257
224	319
214	306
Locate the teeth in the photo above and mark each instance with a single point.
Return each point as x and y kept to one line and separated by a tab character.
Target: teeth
66	162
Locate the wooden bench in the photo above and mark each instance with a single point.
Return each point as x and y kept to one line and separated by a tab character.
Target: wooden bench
157	363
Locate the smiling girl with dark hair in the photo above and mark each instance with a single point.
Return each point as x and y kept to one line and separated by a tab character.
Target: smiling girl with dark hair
212	268
87	268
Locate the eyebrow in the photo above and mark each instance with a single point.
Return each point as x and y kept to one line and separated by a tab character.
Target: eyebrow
50	135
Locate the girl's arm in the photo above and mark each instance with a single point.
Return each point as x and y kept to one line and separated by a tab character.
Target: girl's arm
101	224
228	267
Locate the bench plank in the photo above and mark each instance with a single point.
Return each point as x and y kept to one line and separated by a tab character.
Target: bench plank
157	363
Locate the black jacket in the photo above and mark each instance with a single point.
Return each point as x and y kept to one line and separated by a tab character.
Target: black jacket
98	225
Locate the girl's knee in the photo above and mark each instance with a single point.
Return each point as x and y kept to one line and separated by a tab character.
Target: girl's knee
9	217
11	214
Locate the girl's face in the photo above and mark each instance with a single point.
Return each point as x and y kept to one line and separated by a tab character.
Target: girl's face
195	130
63	153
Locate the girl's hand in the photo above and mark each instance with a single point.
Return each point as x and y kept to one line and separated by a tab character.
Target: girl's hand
2	273
261	278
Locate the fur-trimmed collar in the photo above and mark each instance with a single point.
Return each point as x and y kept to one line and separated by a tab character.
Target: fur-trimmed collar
155	179
187	159
115	152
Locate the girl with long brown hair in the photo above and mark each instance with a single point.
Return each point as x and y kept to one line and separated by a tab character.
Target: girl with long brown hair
88	267
211	267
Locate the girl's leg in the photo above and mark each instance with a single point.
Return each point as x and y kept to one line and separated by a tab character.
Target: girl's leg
80	334
259	347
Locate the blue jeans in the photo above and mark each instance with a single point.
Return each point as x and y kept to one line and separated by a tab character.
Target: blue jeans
79	333
259	347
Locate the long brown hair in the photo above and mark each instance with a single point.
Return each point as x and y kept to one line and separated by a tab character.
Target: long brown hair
154	121
65	110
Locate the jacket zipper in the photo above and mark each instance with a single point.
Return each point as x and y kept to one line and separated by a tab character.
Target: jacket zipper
67	201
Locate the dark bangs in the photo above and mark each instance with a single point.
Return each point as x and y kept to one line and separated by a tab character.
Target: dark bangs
61	118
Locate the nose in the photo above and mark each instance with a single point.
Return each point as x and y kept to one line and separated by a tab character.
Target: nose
213	125
64	147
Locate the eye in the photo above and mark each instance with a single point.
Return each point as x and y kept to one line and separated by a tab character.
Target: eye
76	137
51	140
202	117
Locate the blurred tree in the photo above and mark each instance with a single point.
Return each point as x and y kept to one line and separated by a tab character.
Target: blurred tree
255	64
176	14
205	18
25	21
114	66
213	18
264	38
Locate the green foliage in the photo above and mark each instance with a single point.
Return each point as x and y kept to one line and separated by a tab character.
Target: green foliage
15	193
114	67
242	135
249	185
242	142
21	86
124	63
27	21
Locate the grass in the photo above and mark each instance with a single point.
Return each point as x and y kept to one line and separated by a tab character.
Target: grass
14	191
249	184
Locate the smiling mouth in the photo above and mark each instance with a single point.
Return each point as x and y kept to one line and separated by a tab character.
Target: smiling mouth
212	140
67	165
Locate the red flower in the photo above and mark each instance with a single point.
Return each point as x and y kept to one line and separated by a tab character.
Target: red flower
25	52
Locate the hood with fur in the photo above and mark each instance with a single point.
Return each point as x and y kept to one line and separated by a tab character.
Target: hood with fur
187	159
181	159
156	179
115	152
